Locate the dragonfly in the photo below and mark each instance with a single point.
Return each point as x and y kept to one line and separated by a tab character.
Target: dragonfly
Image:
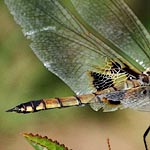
100	49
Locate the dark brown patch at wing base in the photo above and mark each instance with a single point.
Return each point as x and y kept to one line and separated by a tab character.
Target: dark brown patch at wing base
114	102
130	72
101	81
116	67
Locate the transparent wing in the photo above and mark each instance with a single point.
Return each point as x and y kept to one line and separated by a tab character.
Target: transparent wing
72	37
115	21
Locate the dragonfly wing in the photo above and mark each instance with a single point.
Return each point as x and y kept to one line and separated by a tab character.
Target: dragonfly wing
73	37
57	40
106	107
116	22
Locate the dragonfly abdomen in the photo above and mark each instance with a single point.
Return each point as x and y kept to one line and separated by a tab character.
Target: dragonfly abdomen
44	104
136	97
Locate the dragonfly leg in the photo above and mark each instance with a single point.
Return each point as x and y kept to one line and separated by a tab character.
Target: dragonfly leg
144	137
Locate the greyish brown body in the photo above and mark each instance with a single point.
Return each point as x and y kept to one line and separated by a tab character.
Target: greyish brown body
135	94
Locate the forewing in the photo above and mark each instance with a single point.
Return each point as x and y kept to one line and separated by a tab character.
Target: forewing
74	37
57	40
115	21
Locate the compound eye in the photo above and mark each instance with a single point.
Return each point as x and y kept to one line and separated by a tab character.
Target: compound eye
147	72
144	92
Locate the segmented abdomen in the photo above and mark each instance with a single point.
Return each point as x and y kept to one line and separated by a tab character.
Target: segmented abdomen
43	104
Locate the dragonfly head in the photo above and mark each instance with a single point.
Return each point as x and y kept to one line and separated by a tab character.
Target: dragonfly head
145	77
137	98
143	99
147	72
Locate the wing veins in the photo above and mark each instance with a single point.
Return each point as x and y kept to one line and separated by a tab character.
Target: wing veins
89	39
137	26
127	28
65	15
84	37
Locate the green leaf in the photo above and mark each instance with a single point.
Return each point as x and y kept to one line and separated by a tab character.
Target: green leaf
43	143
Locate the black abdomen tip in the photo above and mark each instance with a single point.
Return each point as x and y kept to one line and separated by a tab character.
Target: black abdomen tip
27	107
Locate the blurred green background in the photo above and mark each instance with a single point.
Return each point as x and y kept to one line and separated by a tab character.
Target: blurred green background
23	77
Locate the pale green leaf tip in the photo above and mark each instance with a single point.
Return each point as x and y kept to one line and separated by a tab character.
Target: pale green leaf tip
43	143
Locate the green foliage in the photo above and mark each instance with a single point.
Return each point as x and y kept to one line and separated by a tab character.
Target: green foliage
43	143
